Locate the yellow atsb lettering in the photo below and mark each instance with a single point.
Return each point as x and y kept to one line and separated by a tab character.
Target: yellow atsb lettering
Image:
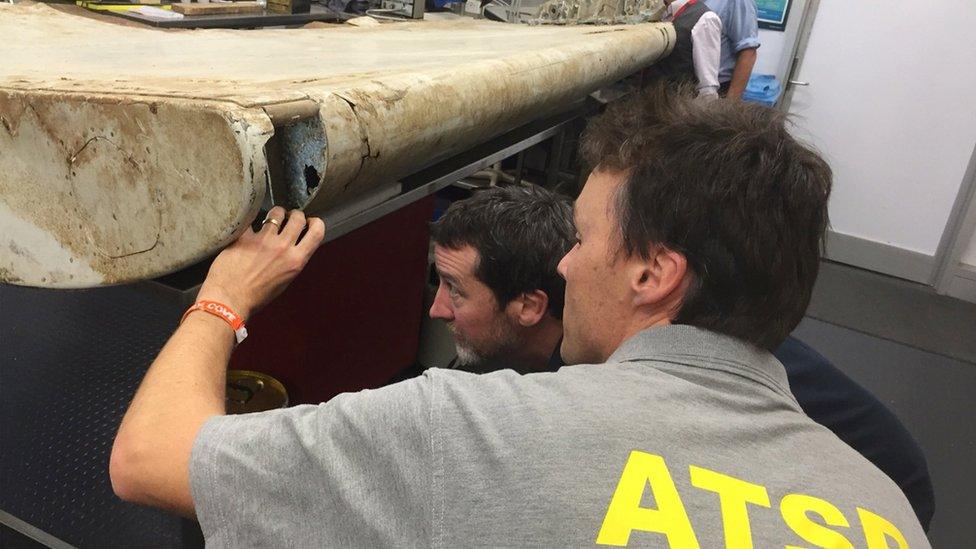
733	496
625	513
877	531
794	508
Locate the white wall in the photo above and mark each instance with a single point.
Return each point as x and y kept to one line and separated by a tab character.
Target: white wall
770	51
891	104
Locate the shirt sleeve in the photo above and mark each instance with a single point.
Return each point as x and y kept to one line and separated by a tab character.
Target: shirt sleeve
354	471
706	39
742	26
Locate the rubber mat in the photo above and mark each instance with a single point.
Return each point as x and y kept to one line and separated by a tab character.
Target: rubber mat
70	362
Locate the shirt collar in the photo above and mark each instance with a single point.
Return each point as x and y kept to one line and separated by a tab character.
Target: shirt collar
696	346
673	9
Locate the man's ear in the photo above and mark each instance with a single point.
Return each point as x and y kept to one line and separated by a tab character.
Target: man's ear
656	279
529	308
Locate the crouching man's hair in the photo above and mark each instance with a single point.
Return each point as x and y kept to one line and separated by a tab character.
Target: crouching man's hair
520	233
727	186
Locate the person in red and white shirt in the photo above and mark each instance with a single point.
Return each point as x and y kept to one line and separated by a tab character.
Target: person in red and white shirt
697	50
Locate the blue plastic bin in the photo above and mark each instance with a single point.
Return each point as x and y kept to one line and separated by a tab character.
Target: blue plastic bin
763	89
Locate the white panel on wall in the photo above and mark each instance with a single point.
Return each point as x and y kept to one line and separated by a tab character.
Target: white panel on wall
891	105
969	256
770	51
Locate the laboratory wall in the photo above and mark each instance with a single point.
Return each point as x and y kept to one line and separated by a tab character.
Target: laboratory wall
770	52
890	105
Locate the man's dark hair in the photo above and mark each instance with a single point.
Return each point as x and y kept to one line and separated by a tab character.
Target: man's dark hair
520	233
727	186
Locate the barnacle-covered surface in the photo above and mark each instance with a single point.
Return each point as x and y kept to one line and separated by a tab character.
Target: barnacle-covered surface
129	152
599	12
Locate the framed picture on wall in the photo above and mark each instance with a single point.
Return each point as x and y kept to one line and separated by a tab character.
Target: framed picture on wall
773	13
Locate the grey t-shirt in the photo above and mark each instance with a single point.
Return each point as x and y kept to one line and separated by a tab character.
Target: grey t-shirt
683	437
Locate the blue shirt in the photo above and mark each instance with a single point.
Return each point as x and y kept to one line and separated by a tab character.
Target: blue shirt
740	30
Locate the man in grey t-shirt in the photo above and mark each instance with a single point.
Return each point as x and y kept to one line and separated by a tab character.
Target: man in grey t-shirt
698	244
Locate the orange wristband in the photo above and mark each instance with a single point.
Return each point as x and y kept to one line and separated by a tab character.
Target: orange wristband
223	312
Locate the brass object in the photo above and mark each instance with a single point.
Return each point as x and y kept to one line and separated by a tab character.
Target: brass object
249	391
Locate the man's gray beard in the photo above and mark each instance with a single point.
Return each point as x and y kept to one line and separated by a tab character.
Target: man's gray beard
466	357
470	360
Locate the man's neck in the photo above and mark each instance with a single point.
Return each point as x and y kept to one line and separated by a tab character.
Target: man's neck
642	320
539	344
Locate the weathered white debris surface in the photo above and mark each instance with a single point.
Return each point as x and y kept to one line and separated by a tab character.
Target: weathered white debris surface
128	152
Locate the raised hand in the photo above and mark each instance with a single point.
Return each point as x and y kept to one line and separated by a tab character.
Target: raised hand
259	265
